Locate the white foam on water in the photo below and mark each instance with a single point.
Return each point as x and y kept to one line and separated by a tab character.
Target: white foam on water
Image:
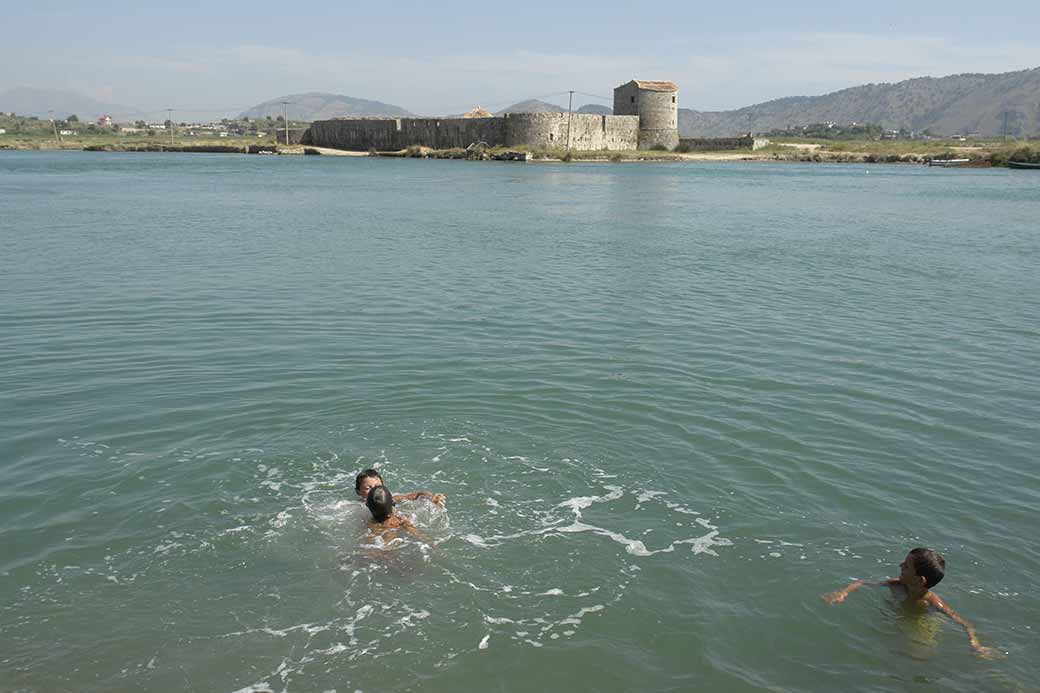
484	642
500	620
254	688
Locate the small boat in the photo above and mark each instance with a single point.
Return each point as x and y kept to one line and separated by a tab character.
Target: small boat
1023	165
949	163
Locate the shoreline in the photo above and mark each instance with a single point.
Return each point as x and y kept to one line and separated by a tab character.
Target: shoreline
980	157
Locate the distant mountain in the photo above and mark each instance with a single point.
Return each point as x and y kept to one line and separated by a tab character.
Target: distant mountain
532	106
958	104
536	106
322	106
45	103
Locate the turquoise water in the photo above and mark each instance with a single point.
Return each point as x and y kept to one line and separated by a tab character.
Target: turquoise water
670	405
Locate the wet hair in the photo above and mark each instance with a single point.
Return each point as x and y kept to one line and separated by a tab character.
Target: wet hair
366	474
381	502
928	564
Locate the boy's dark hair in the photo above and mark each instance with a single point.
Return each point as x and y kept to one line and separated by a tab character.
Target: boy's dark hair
381	502
928	564
366	474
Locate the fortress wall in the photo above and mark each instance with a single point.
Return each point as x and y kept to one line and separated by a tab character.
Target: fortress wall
446	133
356	134
549	130
393	134
587	131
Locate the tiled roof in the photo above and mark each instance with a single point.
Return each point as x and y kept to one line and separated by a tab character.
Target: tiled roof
655	85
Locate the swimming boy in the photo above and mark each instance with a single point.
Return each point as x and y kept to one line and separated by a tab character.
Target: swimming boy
385	522
921	570
370	478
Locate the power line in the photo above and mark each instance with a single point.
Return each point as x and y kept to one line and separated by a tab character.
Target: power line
596	96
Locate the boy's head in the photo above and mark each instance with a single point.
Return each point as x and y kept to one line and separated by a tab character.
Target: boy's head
366	481
381	502
922	567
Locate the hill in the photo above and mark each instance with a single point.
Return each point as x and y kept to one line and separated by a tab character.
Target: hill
536	106
532	106
322	106
958	104
45	103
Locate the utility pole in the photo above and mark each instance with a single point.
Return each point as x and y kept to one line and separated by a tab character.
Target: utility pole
1005	125
57	137
285	120
169	119
570	104
751	123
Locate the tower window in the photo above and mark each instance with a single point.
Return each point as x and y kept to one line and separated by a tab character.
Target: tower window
633	99
673	99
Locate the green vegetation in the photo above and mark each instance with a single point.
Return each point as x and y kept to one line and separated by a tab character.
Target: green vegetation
1029	155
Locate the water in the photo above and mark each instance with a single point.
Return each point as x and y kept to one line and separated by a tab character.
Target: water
670	406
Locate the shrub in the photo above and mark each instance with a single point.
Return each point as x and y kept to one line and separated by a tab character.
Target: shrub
615	158
682	148
659	148
568	156
1025	154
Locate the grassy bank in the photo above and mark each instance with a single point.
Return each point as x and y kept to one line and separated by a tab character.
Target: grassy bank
110	141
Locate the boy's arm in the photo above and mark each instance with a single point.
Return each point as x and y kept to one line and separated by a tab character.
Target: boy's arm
980	649
839	596
437	498
414	531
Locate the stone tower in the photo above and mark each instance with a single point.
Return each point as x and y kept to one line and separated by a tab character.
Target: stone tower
656	105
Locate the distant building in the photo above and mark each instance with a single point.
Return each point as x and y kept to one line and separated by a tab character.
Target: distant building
129	130
71	133
105	121
3	131
656	104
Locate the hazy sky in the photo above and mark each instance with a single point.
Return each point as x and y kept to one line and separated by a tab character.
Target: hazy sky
446	57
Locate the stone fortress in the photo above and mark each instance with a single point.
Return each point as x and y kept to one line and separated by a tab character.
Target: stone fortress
646	115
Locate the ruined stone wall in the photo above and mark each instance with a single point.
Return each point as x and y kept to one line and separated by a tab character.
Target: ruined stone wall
393	134
587	131
710	144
